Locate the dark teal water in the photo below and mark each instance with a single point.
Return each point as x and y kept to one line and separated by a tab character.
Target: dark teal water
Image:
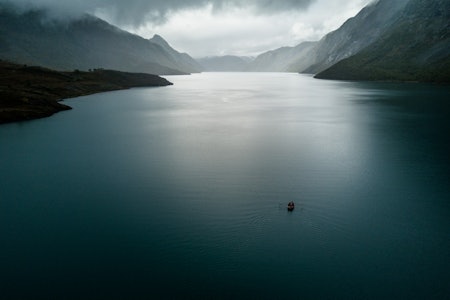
181	192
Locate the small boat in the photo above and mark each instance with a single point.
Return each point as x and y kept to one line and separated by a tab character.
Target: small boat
291	206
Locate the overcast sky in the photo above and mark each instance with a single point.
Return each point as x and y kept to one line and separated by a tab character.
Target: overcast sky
217	27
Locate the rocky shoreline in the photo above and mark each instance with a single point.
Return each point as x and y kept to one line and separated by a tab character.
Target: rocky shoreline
30	92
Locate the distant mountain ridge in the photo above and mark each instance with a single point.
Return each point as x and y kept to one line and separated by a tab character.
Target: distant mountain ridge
84	43
387	40
227	63
285	59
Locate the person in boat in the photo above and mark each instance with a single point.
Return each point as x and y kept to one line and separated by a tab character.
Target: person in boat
291	205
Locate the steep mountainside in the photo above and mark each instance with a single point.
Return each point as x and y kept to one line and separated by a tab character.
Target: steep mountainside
354	35
88	42
228	63
415	48
286	59
183	60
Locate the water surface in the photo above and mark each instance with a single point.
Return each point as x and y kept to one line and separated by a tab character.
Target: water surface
181	192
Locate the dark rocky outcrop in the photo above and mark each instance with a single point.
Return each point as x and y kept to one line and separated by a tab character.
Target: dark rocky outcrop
34	92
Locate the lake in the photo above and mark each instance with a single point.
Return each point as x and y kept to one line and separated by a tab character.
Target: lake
181	192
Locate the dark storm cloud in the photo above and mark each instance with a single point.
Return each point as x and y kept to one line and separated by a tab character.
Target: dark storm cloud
272	6
135	12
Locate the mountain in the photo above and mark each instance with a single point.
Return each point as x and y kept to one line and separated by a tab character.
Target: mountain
285	59
354	35
228	63
414	48
183	60
33	37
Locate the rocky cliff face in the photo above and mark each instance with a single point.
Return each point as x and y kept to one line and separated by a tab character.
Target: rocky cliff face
354	35
88	42
414	48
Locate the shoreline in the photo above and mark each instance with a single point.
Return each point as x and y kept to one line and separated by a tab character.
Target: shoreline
31	92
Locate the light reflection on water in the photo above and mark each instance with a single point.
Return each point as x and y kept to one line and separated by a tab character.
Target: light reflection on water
182	191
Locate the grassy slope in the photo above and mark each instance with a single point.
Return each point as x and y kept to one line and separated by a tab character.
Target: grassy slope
33	92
